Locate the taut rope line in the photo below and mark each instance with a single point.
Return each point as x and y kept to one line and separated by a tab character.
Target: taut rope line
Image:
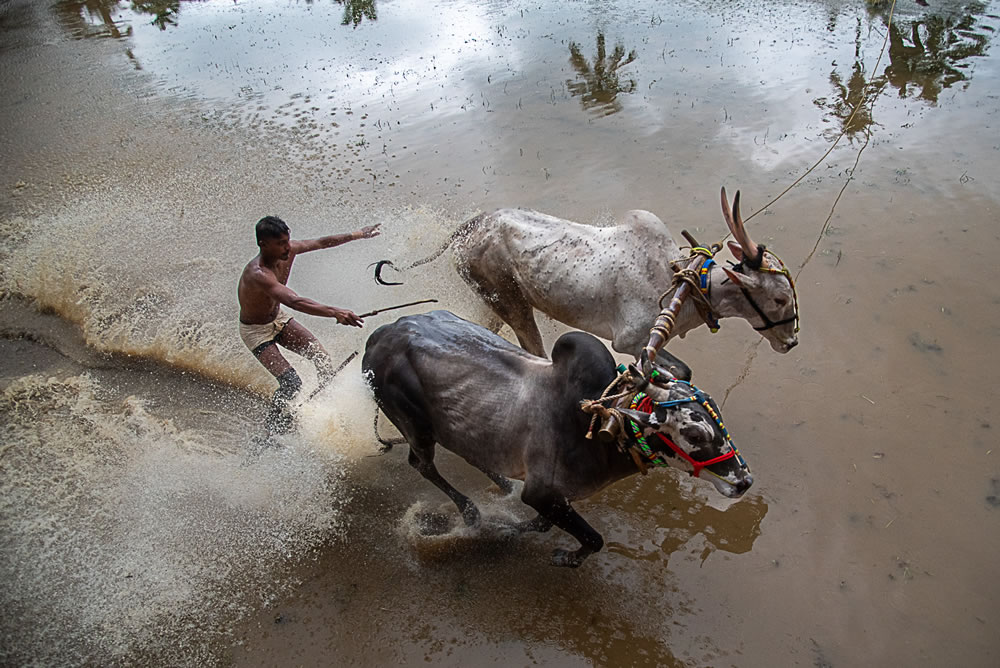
753	350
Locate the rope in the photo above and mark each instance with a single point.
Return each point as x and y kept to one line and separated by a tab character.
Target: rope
693	279
597	409
753	354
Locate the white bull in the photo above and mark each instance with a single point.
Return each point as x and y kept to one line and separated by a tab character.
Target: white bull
608	280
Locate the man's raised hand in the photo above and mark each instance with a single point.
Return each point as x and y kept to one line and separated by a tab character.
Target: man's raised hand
369	232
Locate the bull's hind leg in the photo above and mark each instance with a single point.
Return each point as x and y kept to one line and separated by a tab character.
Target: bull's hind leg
556	510
422	459
503	295
521	317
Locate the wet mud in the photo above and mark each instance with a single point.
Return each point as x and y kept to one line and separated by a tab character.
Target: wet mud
141	142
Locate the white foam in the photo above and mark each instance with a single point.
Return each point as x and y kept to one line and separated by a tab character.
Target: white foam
120	530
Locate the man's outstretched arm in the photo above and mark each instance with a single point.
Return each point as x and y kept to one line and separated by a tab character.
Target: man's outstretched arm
288	297
306	245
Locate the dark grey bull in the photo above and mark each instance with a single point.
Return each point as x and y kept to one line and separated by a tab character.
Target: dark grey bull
444	380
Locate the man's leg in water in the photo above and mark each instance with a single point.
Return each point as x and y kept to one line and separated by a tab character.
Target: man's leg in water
278	418
301	341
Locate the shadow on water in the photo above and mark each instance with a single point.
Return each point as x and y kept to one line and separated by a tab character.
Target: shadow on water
598	84
927	54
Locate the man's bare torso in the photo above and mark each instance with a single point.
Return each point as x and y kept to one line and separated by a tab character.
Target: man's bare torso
256	306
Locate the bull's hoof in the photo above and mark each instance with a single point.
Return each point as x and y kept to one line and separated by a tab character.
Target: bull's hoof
433	524
566	558
471	516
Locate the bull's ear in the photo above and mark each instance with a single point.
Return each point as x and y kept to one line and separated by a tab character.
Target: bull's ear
739	279
736	250
638	417
733	276
750	280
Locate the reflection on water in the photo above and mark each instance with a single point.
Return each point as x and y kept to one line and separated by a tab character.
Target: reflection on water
355	10
600	85
851	103
932	53
926	54
97	18
164	12
92	18
930	49
681	517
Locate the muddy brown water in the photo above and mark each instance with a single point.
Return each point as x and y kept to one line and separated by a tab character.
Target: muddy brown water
142	140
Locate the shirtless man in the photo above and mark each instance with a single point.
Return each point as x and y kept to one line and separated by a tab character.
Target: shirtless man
263	323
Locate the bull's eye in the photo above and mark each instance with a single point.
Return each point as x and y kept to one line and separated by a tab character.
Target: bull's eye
695	435
781	301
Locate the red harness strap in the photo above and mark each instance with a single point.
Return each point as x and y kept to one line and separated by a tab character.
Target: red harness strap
646	406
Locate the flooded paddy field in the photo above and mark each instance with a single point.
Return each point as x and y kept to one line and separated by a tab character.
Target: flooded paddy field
140	143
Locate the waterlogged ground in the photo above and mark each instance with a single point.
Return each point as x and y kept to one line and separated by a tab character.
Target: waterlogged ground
140	143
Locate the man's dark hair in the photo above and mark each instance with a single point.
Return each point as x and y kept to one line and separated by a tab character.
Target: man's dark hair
270	227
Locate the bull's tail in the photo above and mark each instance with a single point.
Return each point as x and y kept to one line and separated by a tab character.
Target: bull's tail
387	443
463	230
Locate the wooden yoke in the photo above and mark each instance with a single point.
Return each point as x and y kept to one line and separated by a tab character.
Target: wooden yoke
664	324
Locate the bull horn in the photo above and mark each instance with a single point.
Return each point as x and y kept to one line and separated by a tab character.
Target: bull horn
735	222
645	365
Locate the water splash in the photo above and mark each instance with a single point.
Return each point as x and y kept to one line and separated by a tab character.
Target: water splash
121	533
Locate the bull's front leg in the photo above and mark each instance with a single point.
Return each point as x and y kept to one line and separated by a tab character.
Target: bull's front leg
555	509
539	524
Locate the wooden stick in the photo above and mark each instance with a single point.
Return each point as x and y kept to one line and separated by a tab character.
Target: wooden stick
664	324
322	386
390	308
326	383
690	239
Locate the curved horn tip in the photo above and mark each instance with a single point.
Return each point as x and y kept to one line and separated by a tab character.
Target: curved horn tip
646	360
